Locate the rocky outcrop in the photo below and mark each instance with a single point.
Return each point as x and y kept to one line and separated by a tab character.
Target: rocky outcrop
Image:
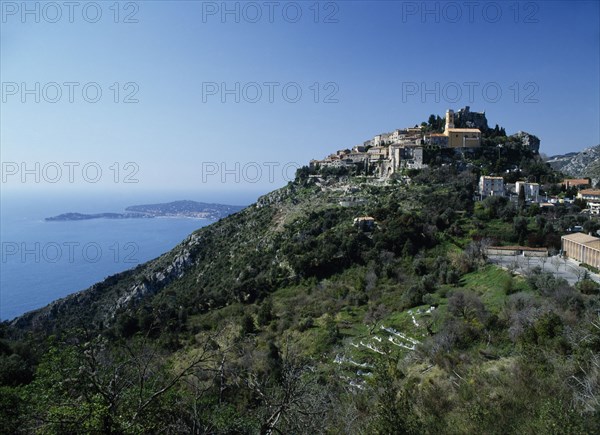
467	119
274	197
156	281
528	140
583	164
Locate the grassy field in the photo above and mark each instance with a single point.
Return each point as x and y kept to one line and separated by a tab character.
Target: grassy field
492	284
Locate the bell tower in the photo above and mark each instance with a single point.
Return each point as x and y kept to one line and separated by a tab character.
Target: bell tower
449	121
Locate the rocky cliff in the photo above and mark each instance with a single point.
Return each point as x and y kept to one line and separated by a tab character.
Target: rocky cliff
583	164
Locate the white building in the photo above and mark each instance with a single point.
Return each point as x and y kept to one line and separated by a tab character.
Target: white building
381	139
592	197
397	135
589	194
532	190
594	207
491	186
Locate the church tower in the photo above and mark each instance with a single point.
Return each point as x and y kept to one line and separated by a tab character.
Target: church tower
449	121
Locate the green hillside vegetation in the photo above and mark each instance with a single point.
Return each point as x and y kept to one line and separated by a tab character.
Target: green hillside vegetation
286	318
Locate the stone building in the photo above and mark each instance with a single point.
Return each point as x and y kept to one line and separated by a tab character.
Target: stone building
589	195
387	153
461	137
531	190
491	186
583	248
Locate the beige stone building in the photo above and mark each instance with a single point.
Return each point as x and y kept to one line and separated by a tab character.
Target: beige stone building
583	248
464	138
461	137
589	194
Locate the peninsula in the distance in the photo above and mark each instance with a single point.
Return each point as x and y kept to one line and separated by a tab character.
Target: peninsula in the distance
191	209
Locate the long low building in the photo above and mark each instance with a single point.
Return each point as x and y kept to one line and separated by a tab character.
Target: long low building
583	248
525	251
589	194
576	182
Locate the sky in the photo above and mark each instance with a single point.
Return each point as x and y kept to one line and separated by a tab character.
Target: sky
212	97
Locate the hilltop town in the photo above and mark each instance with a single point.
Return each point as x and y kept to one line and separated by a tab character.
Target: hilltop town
463	136
388	153
463	133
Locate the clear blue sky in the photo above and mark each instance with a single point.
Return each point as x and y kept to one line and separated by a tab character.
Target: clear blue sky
378	59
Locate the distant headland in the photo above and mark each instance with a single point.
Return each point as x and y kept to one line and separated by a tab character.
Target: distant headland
184	208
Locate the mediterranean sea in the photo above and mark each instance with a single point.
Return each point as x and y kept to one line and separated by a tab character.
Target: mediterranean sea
43	261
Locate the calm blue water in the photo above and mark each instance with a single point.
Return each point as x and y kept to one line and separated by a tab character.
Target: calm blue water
43	261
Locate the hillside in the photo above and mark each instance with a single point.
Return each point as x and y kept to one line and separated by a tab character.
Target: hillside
240	258
287	318
583	164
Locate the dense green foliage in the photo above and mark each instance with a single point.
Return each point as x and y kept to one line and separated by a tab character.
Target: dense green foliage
287	318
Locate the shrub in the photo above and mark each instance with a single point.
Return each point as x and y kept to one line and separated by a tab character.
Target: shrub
248	326
588	287
508	286
590	268
413	296
466	305
265	313
548	326
305	323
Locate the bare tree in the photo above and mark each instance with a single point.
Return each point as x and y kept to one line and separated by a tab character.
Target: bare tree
374	315
519	262
477	250
131	378
513	265
202	358
467	305
581	273
587	384
556	262
295	403
370	280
